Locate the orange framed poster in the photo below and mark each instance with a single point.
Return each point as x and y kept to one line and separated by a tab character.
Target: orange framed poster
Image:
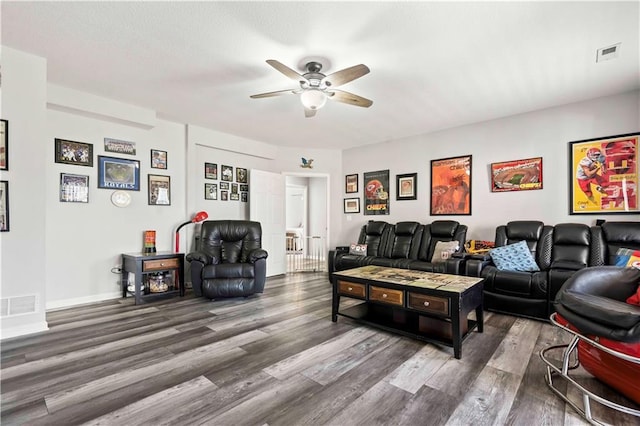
603	175
451	186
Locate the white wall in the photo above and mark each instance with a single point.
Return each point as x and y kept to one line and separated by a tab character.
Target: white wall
85	241
544	133
22	249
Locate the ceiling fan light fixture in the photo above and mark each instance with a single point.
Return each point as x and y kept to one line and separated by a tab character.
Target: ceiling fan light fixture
313	99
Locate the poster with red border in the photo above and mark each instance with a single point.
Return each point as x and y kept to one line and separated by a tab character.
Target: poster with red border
516	175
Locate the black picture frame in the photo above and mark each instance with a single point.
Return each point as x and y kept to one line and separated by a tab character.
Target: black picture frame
226	173
603	174
74	188
351	184
352	205
159	159
4	206
211	171
118	173
451	186
4	145
210	191
73	152
407	186
159	190
241	175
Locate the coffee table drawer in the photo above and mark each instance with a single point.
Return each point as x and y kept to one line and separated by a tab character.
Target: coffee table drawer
352	289
433	304
386	295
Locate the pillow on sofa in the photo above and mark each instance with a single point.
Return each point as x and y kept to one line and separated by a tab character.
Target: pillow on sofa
443	250
358	249
628	258
634	299
514	257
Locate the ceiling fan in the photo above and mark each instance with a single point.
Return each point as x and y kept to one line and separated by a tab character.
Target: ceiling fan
316	87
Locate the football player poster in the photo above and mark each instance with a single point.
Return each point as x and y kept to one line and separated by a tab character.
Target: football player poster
376	192
604	175
451	186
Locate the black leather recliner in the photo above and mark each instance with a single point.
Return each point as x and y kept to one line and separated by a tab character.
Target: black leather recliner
524	293
230	260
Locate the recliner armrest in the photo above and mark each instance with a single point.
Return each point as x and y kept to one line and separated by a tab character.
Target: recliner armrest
257	254
204	258
568	264
475	264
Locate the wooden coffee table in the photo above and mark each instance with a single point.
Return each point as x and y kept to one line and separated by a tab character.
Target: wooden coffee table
427	306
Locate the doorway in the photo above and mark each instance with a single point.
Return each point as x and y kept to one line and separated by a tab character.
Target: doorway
307	221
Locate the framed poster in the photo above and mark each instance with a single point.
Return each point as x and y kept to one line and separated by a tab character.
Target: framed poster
4	206
210	171
227	173
72	152
351	184
210	191
244	197
224	195
376	192
74	188
119	147
118	173
407	186
451	186
352	205
4	145
159	189
241	175
516	175
158	159
603	175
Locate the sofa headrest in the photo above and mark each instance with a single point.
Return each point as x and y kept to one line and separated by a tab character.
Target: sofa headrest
375	227
572	233
624	234
406	228
528	230
444	228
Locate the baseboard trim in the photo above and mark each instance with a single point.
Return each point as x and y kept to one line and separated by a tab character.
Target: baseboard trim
67	303
24	330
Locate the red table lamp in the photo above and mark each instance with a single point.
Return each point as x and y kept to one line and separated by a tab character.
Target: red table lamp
198	217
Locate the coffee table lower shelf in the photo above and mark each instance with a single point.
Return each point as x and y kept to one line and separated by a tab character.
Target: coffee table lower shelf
411	324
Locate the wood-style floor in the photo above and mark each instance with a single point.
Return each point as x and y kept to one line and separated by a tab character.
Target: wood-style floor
273	359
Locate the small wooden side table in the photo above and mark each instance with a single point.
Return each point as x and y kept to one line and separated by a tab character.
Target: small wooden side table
144	265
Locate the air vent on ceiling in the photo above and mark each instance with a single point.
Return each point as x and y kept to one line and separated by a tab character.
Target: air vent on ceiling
609	52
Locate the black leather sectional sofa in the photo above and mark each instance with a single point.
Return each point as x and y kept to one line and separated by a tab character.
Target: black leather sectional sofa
407	245
559	251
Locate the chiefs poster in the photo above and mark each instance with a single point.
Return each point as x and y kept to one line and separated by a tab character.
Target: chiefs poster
451	186
376	192
604	175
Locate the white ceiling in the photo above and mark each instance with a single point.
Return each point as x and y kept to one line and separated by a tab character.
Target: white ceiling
434	65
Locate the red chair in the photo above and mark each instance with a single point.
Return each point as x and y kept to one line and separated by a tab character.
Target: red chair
592	306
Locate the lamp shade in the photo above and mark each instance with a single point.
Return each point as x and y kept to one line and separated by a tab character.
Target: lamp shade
199	217
313	99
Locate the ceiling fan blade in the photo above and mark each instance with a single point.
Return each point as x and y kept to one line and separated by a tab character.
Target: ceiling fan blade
346	75
309	112
349	98
286	70
276	93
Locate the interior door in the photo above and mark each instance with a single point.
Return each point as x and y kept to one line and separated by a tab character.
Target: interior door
267	205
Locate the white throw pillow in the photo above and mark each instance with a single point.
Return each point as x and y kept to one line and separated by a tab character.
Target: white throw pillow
358	249
444	250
